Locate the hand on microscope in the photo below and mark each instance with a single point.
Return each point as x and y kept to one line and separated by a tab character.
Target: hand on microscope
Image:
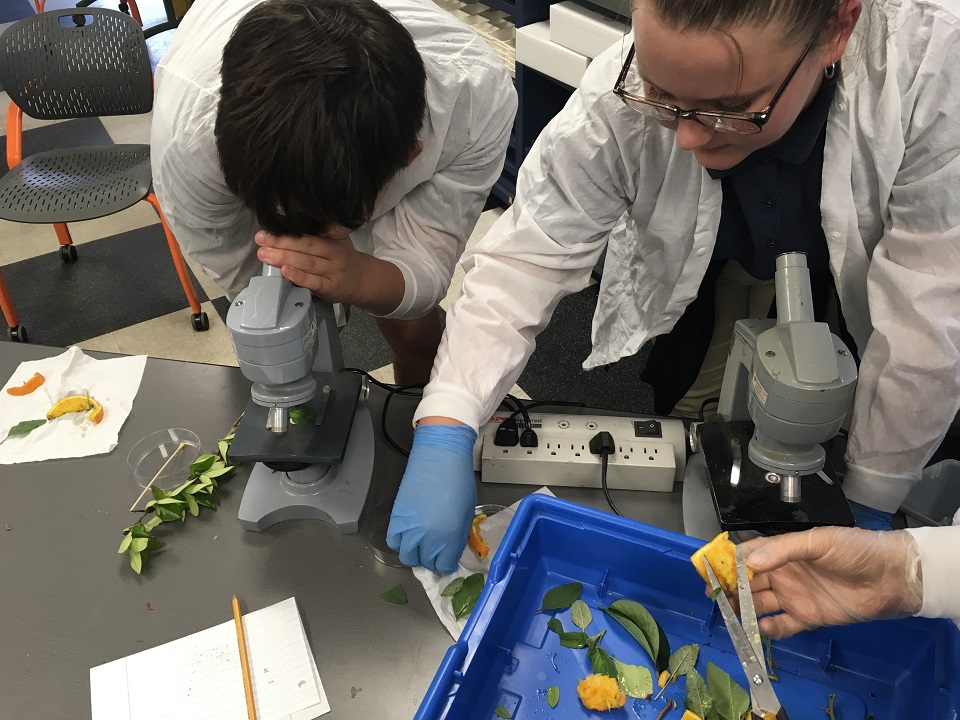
833	576
438	494
334	270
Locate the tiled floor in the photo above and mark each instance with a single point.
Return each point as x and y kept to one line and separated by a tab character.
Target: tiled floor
122	296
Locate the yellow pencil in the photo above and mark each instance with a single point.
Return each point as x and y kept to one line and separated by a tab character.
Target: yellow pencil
244	664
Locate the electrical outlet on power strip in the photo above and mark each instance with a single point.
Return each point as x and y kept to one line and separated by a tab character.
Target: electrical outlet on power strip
650	452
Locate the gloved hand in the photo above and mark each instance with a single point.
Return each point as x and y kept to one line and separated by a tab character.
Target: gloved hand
431	516
833	576
870	519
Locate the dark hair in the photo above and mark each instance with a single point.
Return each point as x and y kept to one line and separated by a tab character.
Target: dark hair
320	106
801	19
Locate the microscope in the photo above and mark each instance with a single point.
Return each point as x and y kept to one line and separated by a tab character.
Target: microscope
787	386
305	426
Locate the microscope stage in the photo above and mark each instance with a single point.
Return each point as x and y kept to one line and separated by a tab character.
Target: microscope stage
755	504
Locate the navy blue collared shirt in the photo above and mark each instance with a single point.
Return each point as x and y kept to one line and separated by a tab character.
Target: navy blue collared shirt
771	199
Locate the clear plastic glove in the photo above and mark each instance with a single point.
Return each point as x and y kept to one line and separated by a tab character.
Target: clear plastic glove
869	518
833	576
431	516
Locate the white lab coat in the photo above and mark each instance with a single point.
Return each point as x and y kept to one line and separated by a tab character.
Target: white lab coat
891	217
940	562
426	213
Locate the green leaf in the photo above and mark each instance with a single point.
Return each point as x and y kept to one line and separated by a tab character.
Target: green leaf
698	699
127	539
634	680
154	544
640	623
152	523
136	562
24	428
501	712
716	593
169	501
302	415
396	595
562	596
157	493
593	640
581	615
553	696
683	659
192	505
217	472
223	446
167	514
195	488
555	625
202	463
453	587
466	597
575	640
206	502
602	662
182	489
138	544
731	699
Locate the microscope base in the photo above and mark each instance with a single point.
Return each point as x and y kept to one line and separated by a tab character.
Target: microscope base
336	498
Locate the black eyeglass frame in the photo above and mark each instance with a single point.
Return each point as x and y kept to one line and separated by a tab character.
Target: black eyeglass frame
759	119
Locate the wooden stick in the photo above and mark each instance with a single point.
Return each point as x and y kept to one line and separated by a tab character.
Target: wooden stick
244	663
162	468
663	713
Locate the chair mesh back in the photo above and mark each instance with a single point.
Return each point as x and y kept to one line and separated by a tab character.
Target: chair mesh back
55	71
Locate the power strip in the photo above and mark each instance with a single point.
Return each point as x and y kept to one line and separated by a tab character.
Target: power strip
650	453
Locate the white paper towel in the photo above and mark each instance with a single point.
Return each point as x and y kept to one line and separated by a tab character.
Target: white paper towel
492	530
113	383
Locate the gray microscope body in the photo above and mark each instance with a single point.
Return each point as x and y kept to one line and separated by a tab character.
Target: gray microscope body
287	343
787	387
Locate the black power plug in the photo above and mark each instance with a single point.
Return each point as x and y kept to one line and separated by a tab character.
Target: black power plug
508	434
529	439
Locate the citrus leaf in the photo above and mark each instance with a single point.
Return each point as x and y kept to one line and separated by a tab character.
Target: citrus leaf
635	618
555	625
138	544
634	680
466	598
154	544
553	696
453	587
501	712
593	640
223	446
202	463
683	659
698	699
136	562
575	640
562	596
217	472
206	502
731	699
302	415
157	493
396	595
127	539
24	428
192	505
602	662
581	615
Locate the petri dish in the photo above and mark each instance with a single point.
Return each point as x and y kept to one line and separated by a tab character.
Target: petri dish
154	452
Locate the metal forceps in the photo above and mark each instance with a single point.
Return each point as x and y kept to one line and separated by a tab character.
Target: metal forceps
746	641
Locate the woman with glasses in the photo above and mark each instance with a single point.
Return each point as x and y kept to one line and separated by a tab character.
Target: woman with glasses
735	130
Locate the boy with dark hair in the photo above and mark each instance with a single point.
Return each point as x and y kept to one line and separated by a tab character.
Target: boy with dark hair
351	143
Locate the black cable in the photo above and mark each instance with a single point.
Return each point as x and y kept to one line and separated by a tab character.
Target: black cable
518	408
602	444
391	391
703	406
542	403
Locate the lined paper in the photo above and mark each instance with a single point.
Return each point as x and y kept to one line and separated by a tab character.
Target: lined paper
198	677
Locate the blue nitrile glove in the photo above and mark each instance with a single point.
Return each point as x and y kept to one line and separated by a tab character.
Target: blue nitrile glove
868	518
434	508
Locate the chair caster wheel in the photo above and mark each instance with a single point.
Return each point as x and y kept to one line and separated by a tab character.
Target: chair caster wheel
18	334
68	253
200	322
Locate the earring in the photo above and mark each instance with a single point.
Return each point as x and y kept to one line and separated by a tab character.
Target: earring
829	72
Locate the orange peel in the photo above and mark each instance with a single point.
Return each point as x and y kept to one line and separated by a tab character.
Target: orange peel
600	692
721	553
28	387
77	403
475	539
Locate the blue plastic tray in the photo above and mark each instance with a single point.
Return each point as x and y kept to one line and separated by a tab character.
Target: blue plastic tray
507	656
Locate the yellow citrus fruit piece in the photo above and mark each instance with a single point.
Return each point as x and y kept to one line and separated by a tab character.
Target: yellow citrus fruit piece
664	678
77	403
475	540
690	715
28	387
721	553
600	692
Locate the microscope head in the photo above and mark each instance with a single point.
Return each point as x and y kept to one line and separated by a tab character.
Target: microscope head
273	328
802	382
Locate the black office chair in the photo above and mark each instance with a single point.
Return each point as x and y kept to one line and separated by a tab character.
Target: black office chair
54	70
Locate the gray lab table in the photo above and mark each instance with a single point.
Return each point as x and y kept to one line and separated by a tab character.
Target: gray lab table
69	602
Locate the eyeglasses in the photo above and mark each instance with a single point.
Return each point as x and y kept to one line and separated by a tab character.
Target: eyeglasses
742	123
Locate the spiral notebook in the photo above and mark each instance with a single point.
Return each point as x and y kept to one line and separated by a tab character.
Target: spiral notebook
198	677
